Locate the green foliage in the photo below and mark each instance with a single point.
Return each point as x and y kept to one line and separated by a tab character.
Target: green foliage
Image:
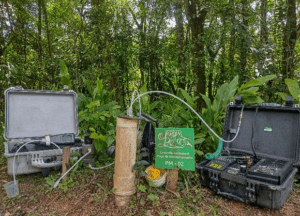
152	197
98	113
249	90
64	74
293	87
142	188
294	90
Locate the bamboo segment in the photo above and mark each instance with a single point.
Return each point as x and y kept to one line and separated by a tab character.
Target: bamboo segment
126	144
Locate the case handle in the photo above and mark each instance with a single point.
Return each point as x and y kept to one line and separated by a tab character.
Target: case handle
230	195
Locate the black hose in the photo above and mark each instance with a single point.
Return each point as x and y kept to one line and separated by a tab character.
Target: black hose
252	135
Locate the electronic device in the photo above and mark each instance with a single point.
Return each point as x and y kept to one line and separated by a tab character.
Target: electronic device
60	139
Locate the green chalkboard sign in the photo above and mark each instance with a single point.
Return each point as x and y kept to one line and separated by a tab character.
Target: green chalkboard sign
174	147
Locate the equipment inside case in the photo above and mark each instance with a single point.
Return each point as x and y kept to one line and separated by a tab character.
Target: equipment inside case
257	166
269	136
39	119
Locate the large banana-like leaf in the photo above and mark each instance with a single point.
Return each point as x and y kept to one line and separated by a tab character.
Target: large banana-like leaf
188	98
293	88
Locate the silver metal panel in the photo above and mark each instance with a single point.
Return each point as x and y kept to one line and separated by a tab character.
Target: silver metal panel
30	113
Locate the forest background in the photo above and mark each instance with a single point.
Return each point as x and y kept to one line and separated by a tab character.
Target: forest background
204	51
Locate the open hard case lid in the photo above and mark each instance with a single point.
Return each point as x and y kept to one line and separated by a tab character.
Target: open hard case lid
33	114
275	134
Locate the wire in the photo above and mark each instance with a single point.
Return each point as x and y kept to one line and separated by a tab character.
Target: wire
57	182
14	175
99	168
252	135
162	92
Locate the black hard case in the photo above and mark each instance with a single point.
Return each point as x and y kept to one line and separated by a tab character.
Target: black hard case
282	143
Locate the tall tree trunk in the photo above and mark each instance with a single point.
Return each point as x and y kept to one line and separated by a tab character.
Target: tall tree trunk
47	28
40	43
196	19
289	41
180	43
263	22
263	34
48	38
232	40
244	46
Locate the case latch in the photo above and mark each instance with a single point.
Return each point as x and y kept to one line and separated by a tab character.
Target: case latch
66	88
289	101
251	192
214	181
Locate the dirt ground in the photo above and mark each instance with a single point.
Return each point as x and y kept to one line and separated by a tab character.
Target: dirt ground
89	192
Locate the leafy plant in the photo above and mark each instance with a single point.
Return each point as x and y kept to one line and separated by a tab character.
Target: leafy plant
99	113
142	188
152	197
294	90
64	74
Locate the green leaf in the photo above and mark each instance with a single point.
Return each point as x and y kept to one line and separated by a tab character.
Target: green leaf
246	92
198	152
252	89
258	81
64	74
207	101
221	99
232	88
264	79
252	100
99	144
282	95
162	213
88	85
100	88
293	88
199	141
188	99
200	135
152	197
100	186
151	183
253	82
142	188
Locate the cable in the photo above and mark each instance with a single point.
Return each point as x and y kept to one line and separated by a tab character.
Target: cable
99	168
252	135
140	106
57	182
14	175
129	112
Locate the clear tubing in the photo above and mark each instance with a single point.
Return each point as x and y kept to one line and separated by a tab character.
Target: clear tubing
140	106
57	182
14	175
132	98
162	92
99	168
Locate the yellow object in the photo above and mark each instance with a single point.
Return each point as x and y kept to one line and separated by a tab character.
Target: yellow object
154	173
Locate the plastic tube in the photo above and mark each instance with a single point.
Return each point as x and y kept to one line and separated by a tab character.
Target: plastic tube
14	175
162	92
57	182
140	106
99	168
132	98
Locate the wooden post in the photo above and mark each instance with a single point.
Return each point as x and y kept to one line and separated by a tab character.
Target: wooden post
65	159
172	179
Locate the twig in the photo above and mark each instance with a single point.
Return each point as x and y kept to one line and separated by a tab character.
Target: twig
54	199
